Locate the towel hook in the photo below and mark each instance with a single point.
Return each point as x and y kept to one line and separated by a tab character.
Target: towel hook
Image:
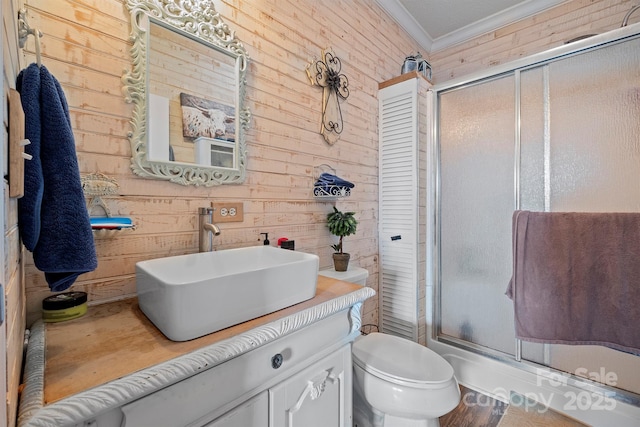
24	30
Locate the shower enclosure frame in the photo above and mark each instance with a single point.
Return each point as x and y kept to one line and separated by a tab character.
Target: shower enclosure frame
464	355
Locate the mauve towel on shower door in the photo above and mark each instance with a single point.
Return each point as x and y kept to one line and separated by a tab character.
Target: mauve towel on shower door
576	278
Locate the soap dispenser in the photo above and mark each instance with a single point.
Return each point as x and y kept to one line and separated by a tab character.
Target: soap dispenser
266	239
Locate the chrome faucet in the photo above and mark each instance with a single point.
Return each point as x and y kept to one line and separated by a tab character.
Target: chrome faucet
206	229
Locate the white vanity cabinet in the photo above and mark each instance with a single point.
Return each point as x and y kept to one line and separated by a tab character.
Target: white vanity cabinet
312	360
288	369
319	396
253	413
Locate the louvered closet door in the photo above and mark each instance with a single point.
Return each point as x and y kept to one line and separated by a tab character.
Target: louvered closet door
398	139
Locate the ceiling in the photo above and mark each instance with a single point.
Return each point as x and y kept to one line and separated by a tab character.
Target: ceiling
437	24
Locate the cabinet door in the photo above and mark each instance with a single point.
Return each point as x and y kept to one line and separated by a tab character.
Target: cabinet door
318	396
252	413
399	181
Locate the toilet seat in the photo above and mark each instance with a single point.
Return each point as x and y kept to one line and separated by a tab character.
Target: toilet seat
401	361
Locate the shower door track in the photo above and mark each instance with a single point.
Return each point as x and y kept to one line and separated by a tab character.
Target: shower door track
548	372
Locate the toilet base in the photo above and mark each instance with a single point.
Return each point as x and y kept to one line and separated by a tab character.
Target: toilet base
391	421
365	416
362	420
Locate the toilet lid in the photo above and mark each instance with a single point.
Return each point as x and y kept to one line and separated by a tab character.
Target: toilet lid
400	359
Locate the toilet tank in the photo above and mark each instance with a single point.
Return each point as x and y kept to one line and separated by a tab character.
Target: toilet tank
353	274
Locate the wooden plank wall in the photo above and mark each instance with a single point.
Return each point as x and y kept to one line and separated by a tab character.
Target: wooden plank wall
87	49
12	278
526	37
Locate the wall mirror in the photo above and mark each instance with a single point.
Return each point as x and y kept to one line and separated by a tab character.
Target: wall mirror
187	87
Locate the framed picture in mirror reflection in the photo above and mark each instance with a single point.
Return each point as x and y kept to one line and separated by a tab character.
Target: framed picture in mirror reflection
207	118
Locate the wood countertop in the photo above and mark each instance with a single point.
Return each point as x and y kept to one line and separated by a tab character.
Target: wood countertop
116	339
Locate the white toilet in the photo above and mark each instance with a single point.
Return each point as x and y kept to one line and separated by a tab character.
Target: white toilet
397	382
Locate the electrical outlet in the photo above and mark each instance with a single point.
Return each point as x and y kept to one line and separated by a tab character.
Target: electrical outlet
228	212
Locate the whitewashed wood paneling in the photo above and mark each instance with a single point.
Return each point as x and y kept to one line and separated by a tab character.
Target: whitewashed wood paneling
526	37
12	330
87	48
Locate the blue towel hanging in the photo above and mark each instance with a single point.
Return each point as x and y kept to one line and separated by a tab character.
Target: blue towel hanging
29	205
52	215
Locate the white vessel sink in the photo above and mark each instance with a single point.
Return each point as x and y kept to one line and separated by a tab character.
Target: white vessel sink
189	296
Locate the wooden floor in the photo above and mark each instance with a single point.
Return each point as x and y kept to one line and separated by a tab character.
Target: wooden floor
474	410
523	412
478	410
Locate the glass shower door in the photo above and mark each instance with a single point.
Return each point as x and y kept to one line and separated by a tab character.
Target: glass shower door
591	104
558	136
476	153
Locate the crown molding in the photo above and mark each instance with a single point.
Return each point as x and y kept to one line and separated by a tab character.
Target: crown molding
493	22
515	13
407	22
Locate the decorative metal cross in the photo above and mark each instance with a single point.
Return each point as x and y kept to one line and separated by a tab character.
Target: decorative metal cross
326	73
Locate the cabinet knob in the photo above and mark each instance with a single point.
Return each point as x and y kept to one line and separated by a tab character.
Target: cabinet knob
276	361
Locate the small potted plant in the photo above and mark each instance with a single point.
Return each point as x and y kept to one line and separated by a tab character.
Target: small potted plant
341	224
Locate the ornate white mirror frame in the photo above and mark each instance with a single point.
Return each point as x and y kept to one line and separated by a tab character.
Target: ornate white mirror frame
197	20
